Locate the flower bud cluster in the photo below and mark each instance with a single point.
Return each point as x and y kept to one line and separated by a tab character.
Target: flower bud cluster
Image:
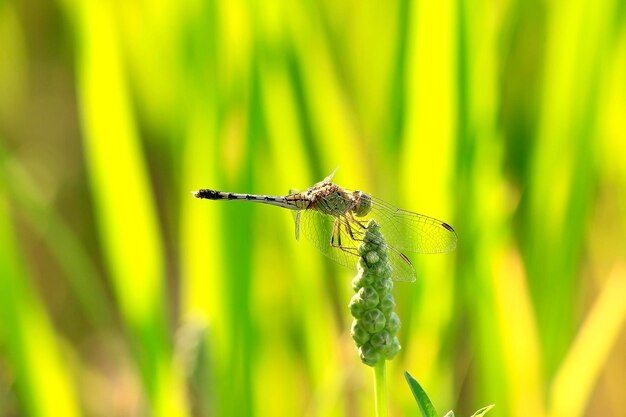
375	323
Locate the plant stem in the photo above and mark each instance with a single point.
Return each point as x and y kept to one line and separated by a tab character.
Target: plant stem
380	389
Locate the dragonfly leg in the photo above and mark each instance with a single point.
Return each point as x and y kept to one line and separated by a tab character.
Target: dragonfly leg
351	251
360	224
348	228
335	238
334	232
350	221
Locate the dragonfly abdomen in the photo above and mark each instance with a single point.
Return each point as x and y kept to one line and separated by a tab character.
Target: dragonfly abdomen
221	195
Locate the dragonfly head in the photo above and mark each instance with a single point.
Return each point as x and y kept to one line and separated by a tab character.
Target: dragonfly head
362	203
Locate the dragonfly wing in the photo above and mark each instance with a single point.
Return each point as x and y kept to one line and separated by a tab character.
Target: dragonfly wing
412	232
401	267
318	229
295	214
296	218
330	176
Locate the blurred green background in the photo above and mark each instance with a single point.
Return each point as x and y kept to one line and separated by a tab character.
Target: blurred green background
121	295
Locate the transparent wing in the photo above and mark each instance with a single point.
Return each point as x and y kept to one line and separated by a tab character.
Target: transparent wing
411	232
296	215
318	229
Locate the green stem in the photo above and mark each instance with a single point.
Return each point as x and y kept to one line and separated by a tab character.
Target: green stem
380	389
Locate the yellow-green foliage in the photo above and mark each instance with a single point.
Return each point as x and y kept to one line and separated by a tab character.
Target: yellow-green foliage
121	294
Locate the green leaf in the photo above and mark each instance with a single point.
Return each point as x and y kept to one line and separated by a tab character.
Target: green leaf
449	414
481	412
426	407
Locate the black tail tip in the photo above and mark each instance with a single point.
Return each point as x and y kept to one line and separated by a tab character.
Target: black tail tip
204	193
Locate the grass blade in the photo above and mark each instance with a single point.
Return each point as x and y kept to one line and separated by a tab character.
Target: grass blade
481	412
426	407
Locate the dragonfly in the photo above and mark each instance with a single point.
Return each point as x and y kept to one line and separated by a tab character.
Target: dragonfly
334	219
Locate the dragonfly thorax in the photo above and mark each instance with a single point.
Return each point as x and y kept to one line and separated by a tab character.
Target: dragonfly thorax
362	203
330	199
335	201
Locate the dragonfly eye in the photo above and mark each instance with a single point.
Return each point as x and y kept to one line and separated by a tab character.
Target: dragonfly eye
362	203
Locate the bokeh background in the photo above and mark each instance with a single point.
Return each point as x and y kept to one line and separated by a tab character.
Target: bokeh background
121	295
